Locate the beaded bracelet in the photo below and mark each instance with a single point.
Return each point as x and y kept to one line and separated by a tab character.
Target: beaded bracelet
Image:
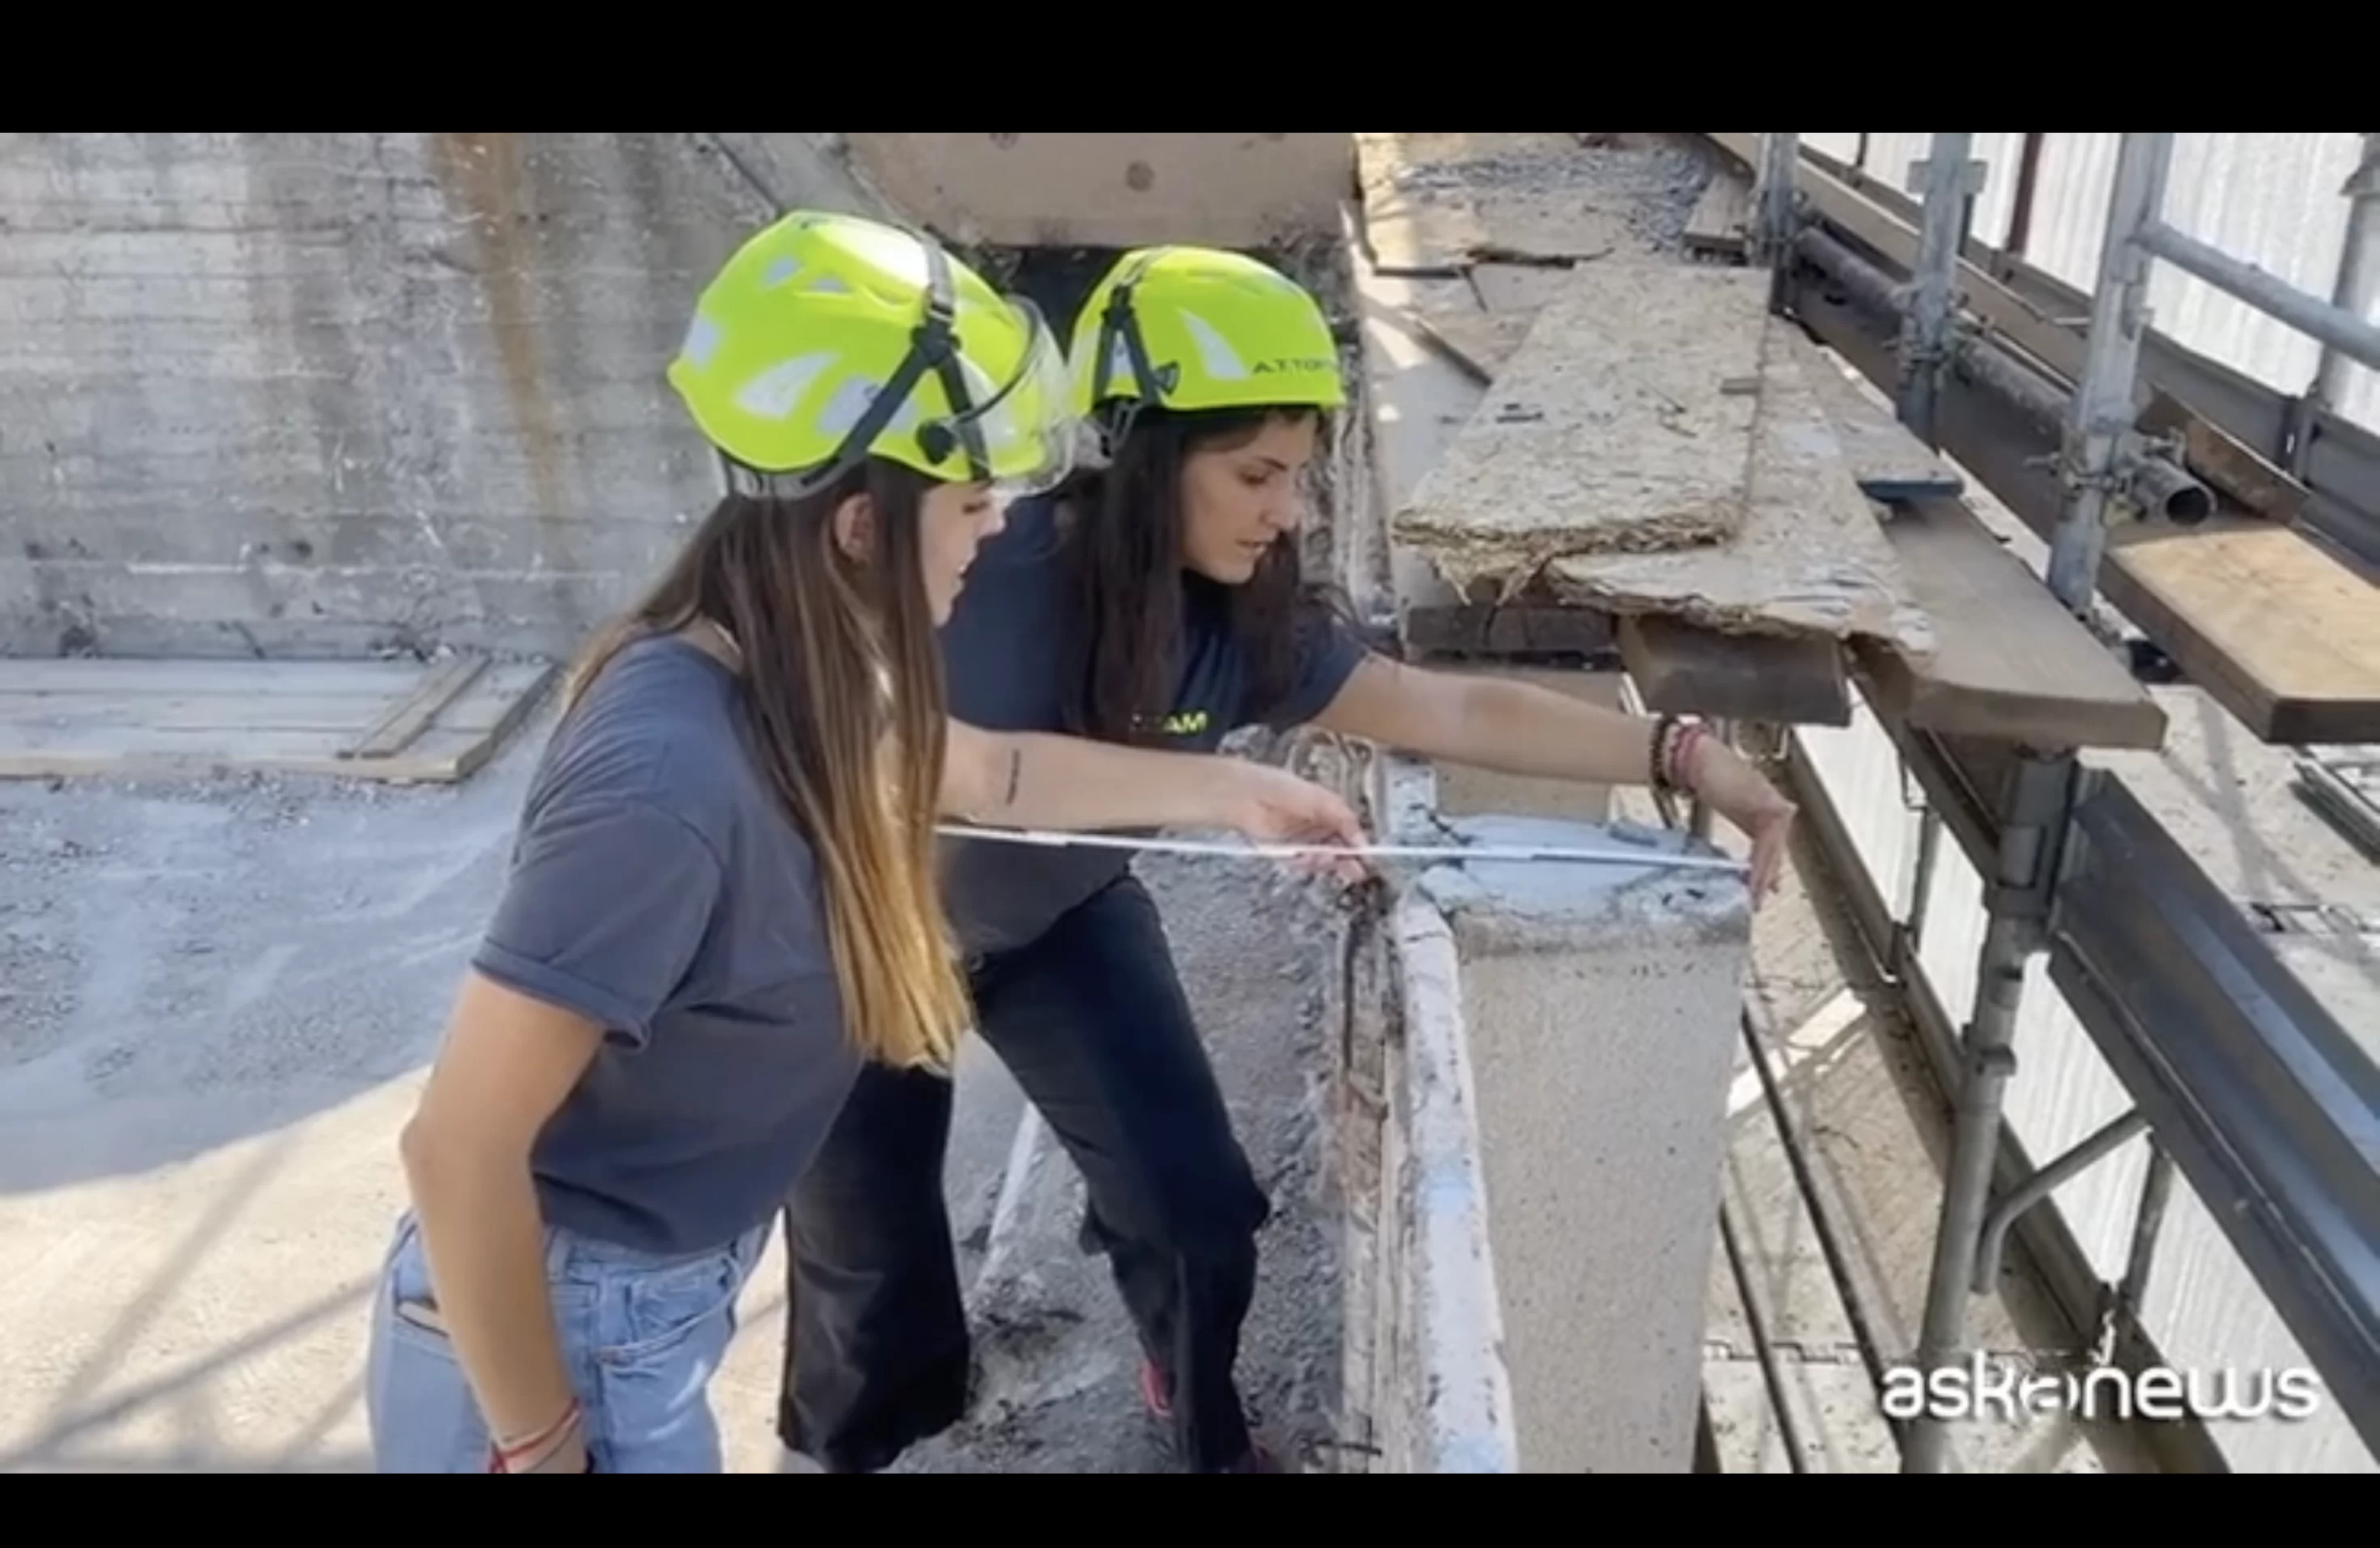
1657	756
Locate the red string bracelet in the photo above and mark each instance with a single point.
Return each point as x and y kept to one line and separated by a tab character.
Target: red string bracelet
502	1459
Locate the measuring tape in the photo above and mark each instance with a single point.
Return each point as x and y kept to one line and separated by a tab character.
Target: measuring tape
1457	852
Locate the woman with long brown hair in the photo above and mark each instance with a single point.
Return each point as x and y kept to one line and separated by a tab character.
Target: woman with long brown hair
722	902
1172	613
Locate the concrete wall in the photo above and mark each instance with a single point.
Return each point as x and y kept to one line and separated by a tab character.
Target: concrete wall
295	395
1114	190
338	394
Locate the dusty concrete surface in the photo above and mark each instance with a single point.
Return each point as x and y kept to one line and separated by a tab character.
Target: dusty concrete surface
216	1005
1058	1364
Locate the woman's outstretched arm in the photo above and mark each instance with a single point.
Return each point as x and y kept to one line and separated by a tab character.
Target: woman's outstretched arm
1035	780
1520	728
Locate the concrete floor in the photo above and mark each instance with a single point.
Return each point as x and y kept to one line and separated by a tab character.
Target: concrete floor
217	1004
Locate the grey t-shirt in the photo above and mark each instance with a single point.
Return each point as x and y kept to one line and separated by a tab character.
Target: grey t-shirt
657	888
1002	656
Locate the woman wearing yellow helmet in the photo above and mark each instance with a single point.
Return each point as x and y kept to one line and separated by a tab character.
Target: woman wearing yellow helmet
1173	573
723	899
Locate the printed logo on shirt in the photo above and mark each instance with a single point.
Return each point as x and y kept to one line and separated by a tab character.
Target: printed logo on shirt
1180	722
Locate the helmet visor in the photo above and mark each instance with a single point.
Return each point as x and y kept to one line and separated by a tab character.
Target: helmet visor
1021	431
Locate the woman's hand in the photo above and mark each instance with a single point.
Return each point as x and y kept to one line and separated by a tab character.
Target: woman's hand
1269	805
1736	791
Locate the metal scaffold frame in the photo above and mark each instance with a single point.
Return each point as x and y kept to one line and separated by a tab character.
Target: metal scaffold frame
2242	1079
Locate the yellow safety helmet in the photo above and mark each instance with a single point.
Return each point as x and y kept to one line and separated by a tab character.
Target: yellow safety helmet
1193	327
828	337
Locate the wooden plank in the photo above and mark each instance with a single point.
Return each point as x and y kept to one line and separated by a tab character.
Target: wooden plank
1811	558
1435	203
2010	663
142	718
2215	454
199	678
411	715
2278	694
1887	460
1716	228
2257	614
1683	670
1620	424
1517	631
340	714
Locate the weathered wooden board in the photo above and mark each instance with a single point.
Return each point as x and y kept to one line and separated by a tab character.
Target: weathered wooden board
2263	619
1435	203
1810	558
1683	670
1887	460
1480	342
2010	664
1886	457
397	721
1623	424
1717	226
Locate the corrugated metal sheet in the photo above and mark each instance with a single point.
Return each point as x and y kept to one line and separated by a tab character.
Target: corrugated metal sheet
2273	199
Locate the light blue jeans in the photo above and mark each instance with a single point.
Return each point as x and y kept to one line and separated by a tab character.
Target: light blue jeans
642	1337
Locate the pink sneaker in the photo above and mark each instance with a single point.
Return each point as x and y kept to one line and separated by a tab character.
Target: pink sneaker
1152	1390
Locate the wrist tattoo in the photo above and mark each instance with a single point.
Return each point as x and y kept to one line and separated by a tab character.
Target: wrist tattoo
1015	775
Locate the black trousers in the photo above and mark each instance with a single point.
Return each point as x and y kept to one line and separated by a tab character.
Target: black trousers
1092	1022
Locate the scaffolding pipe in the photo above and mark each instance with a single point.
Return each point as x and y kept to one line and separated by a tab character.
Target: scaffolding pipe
2340	329
2156	485
2152	480
2099	437
1991	1246
1780	154
2034	827
2103	408
2126	1298
1926	341
2357	288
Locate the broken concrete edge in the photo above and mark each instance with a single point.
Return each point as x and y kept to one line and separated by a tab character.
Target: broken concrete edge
1512	908
1454	1399
1442	1394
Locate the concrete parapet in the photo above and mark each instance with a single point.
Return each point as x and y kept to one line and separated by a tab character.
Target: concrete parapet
1554	1136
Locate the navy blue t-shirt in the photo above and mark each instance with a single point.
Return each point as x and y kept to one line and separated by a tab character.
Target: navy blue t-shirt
659	890
1003	652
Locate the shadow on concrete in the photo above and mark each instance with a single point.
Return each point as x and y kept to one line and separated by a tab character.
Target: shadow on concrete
186	964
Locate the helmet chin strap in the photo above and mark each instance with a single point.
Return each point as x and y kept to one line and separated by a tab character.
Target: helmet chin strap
1118	325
